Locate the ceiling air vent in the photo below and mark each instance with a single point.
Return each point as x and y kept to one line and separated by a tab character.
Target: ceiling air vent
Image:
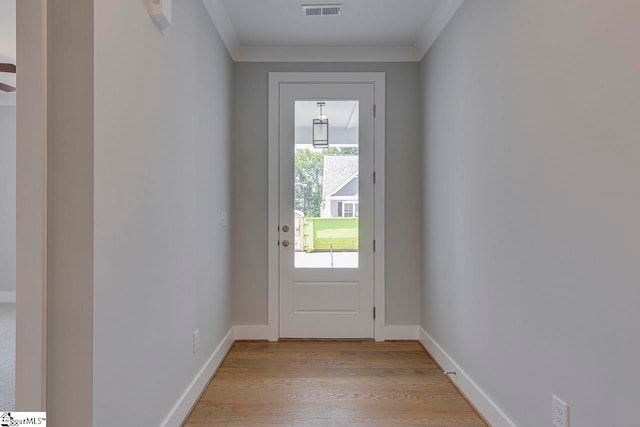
321	9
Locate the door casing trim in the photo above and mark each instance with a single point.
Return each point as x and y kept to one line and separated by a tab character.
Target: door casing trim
31	207
275	80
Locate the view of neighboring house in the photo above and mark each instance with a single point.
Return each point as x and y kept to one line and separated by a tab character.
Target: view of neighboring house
340	187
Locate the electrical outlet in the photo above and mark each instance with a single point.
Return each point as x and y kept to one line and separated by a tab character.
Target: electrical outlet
196	340
560	413
224	219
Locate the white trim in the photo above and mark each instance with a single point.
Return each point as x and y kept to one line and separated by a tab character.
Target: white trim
178	414
391	332
324	54
222	22
273	208
434	26
397	332
482	402
347	181
31	207
251	332
342	199
275	80
379	207
8	297
346	203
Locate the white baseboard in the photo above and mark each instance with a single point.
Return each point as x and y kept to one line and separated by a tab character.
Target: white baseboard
251	332
7	297
181	409
401	332
483	403
261	332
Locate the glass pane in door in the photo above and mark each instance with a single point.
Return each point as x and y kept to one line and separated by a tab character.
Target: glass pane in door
326	184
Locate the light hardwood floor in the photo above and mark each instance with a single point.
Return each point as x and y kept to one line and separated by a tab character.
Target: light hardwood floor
331	383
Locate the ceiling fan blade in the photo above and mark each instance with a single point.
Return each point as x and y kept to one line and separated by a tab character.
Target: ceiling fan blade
7	88
7	68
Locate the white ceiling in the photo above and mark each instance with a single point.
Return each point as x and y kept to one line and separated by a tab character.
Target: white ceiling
369	23
343	118
343	114
8	46
365	30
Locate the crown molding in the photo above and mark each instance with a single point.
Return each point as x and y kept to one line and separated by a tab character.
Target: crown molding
324	54
435	24
222	22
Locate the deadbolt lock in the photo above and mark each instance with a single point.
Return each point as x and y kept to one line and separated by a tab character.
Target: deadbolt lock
285	228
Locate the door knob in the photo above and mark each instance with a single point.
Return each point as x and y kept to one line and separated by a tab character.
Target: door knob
285	228
285	243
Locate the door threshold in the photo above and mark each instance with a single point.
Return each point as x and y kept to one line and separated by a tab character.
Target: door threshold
325	339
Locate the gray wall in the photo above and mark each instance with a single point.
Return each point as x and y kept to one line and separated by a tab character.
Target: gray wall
7	199
163	108
250	173
532	204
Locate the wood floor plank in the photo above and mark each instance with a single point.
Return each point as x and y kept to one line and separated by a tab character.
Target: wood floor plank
331	383
240	423
288	355
239	374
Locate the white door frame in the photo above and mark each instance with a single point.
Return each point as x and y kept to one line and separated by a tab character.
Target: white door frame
275	80
31	206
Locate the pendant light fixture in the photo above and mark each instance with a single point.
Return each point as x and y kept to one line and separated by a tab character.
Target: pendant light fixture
321	129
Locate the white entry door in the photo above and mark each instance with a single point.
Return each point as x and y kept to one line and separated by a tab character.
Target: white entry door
326	209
